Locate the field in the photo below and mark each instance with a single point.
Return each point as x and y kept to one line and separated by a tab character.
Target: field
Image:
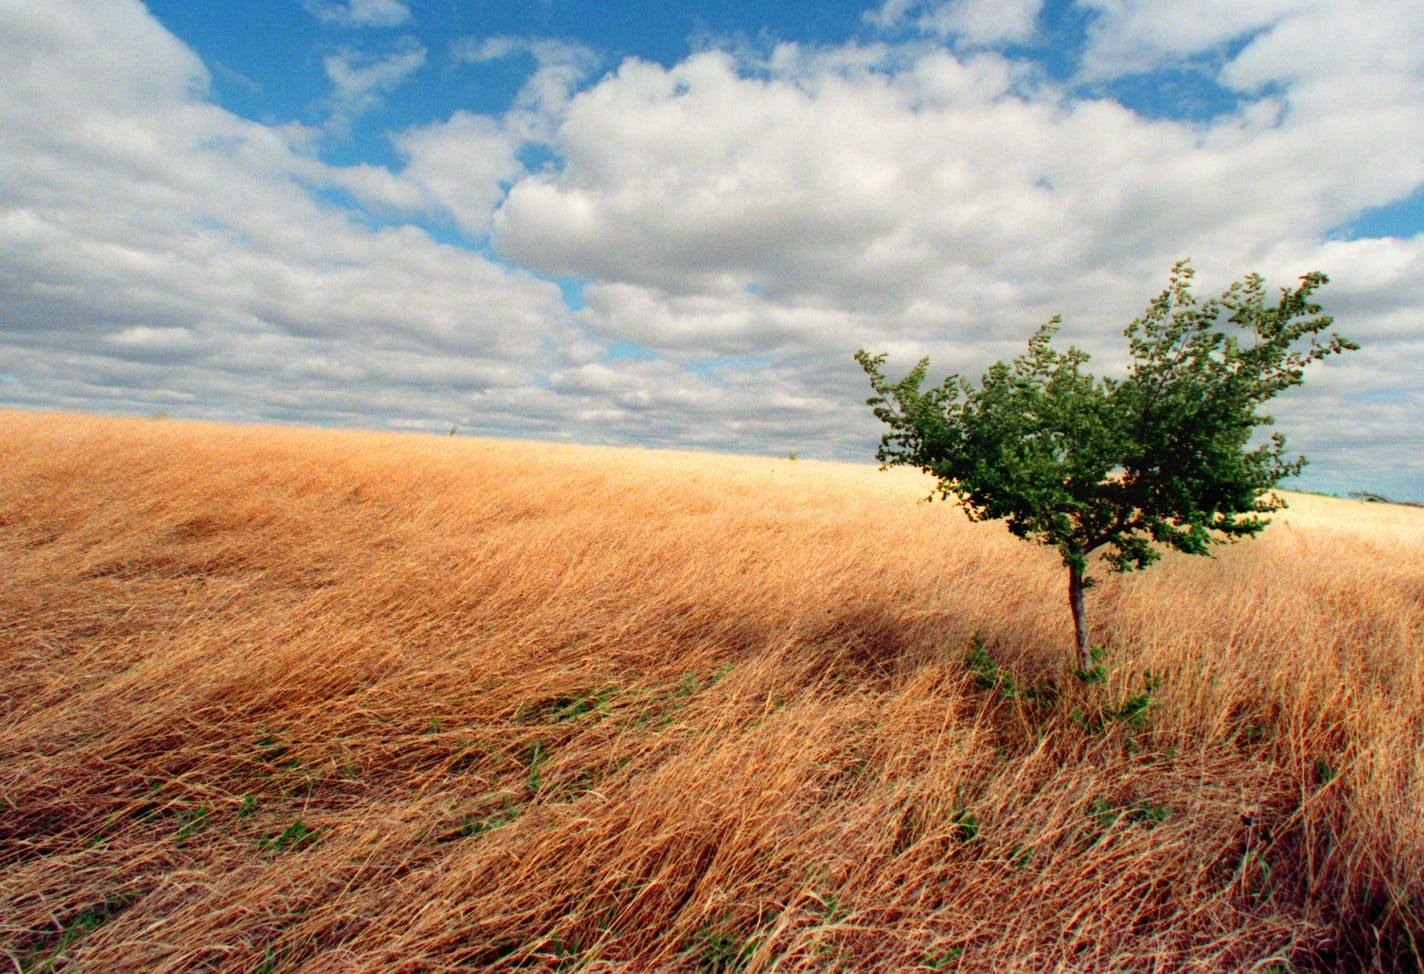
282	699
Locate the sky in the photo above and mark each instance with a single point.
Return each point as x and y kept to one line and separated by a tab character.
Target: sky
672	225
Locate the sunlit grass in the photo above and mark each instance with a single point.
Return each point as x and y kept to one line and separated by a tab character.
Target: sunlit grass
278	699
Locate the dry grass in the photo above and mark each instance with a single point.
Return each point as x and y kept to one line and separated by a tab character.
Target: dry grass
289	700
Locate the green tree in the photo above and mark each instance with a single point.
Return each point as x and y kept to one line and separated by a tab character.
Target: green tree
1162	458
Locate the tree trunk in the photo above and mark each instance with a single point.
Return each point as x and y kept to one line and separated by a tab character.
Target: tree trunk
1080	619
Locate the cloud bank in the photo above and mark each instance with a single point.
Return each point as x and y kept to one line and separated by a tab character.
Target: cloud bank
687	254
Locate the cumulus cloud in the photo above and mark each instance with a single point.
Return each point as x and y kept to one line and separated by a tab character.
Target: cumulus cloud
1335	53
811	206
740	226
874	193
463	164
1127	36
157	252
1342	77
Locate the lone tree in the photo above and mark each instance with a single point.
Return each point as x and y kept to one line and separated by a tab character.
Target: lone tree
1161	458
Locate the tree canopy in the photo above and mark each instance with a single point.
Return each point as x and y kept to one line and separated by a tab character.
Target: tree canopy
1164	457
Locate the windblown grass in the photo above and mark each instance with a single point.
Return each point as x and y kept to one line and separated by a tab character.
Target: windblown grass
280	700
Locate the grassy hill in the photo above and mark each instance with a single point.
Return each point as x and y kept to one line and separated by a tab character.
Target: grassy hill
282	699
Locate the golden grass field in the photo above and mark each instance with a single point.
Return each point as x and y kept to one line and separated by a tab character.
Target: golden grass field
289	700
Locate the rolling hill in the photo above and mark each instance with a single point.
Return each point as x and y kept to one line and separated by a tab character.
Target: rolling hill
277	699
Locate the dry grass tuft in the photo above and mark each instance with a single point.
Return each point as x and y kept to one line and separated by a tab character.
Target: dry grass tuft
279	700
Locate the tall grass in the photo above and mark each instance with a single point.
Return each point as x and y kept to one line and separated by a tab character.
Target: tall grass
276	699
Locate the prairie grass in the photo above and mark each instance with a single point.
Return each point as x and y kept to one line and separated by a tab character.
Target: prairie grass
280	699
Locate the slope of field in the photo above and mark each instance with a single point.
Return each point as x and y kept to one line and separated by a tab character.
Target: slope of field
280	700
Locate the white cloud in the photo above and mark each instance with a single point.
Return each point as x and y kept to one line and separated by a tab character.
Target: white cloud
872	193
158	252
361	13
939	207
375	187
1128	36
560	67
974	22
751	224
163	341
1371	50
695	178
463	164
1353	48
889	13
1342	78
359	79
121	45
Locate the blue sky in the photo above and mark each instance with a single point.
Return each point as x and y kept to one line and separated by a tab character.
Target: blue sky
671	225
